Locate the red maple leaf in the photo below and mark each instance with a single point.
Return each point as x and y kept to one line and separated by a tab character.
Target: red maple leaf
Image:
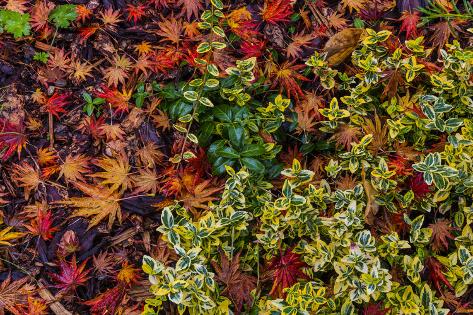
409	23
435	275
275	11
286	269
375	309
114	97
135	12
70	275
42	225
419	186
107	302
253	49
86	32
55	104
12	138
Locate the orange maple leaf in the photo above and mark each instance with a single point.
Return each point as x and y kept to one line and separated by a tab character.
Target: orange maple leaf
26	177
74	167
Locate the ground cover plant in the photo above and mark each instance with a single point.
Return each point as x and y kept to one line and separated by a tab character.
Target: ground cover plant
236	157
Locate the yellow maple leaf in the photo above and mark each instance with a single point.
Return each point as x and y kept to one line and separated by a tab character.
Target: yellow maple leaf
100	204
115	173
6	235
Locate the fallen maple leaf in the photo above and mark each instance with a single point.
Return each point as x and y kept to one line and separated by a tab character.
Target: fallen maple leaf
127	274
101	203
190	8
197	196
286	270
146	181
118	72
70	275
285	76
238	285
170	29
116	173
14	293
42	225
135	12
26	177
107	302
275	11
46	156
12	138
433	267
55	104
409	23
6	236
353	5
294	49
74	167
441	234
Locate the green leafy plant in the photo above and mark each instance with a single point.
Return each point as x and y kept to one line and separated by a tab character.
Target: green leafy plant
63	15
14	23
92	104
41	57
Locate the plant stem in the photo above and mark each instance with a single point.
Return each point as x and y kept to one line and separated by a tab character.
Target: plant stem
51	130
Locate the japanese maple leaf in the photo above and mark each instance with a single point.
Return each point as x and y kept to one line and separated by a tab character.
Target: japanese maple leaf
375	309
345	135
433	267
83	13
27	177
442	32
294	49
100	204
13	294
74	167
275	11
39	15
12	138
6	236
170	29
198	194
55	104
190	8
135	12
86	32
107	302
441	233
238	285
146	181
116	173
394	79
42	225
400	165
118	100
409	23
253	49
70	275
418	186
286	269
118	72
285	76
353	5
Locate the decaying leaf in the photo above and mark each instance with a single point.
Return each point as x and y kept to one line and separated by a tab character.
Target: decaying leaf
340	46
